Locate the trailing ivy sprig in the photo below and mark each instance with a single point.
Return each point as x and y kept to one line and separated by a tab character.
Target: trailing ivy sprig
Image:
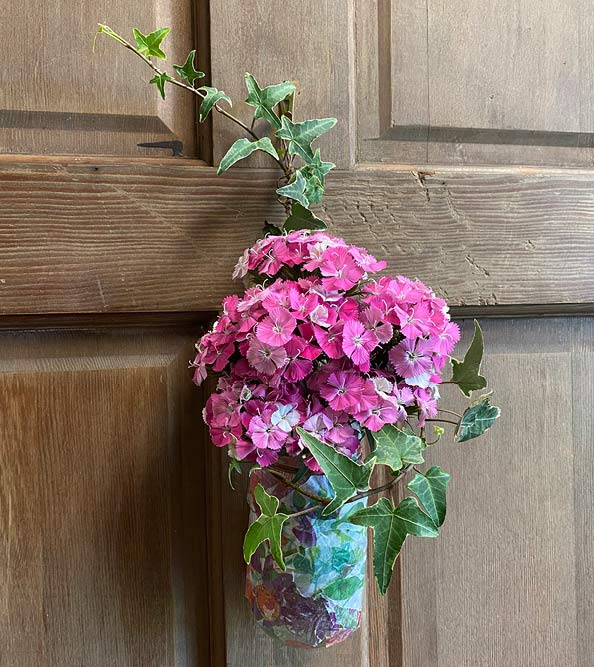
302	186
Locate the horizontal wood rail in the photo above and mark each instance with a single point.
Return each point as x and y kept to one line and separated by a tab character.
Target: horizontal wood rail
100	236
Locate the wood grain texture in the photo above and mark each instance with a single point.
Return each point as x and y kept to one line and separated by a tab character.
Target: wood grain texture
57	96
541	82
101	555
104	237
508	577
321	63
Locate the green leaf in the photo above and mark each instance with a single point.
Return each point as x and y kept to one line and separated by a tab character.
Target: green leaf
430	489
244	147
395	448
477	419
213	95
268	526
345	476
342	589
318	168
314	190
265	99
150	45
302	218
295	190
390	529
466	374
234	466
159	81
301	135
187	71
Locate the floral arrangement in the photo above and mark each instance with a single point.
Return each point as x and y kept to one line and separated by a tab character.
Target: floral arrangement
327	372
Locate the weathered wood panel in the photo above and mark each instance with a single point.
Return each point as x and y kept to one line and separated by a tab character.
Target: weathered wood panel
102	558
316	52
57	96
517	92
103	237
508	577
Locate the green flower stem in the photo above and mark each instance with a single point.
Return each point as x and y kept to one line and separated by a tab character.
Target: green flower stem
118	38
444	421
296	487
450	412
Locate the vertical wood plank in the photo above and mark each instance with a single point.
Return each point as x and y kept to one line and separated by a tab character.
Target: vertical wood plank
311	41
583	431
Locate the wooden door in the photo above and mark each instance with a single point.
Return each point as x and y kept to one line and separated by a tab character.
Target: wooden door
464	158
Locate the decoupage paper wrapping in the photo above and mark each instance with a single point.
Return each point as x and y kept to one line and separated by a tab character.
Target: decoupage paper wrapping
317	600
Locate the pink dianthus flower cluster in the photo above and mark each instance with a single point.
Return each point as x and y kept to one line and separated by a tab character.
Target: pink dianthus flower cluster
320	346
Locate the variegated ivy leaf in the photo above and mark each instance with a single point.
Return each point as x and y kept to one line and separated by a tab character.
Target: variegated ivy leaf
318	168
296	190
150	45
390	529
159	81
477	419
466	373
345	476
267	527
264	100
430	488
212	97
187	70
314	190
242	148
302	218
394	448
301	135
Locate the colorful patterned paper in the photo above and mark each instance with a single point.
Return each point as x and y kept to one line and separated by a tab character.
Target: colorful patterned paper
317	600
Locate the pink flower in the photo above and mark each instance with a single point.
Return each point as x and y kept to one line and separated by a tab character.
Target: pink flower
296	368
276	329
330	340
372	318
381	414
264	434
414	321
409	359
342	390
357	343
265	358
427	405
339	269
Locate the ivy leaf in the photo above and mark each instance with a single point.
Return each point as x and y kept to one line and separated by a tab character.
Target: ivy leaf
302	218
477	419
314	190
242	148
318	168
430	489
187	71
466	374
345	476
213	95
390	529
295	190
394	448
150	45
268	526
265	99
159	81
301	135
234	466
